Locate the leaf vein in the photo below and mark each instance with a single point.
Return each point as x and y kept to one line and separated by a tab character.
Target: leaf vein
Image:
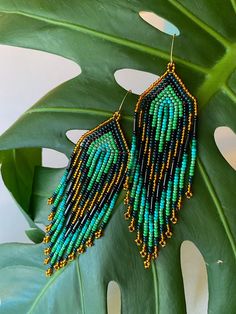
217	203
80	288
200	23
102	113
229	92
155	283
112	38
43	291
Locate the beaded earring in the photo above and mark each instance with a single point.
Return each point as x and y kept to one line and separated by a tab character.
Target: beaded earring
86	195
162	160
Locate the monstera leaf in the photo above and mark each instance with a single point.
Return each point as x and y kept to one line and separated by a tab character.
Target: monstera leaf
102	37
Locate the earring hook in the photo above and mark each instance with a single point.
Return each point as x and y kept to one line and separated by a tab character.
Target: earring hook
171	65
172	48
123	100
117	113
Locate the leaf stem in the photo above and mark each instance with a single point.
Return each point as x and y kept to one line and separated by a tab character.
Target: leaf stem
233	5
217	76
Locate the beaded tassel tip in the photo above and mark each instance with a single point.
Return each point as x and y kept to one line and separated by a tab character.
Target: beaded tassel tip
162	161
86	195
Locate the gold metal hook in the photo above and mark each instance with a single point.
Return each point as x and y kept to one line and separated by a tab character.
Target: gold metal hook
123	100
172	48
117	113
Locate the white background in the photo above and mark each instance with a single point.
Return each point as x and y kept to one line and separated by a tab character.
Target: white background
25	76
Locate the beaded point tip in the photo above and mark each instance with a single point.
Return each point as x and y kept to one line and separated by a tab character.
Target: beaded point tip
138	239
89	242
49	272
98	234
132	226
147	262
168	233
162	241
162	161
81	249
155	253
173	218
46	260
47	251
126	200
46	239
127	214
56	266
48	228
143	252
71	256
63	263
50	200
50	216
188	193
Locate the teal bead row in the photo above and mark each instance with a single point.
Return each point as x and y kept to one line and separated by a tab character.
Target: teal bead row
93	164
165	120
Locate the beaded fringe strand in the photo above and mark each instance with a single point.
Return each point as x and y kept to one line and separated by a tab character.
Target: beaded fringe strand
162	161
86	195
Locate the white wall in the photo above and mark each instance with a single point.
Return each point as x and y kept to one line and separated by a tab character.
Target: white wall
25	76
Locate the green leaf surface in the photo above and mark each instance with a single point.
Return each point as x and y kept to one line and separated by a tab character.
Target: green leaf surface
102	37
35	234
17	171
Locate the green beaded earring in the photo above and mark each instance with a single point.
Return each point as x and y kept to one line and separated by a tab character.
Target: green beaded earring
162	160
86	195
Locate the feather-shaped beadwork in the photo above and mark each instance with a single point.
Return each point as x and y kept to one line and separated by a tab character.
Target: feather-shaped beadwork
162	161
86	195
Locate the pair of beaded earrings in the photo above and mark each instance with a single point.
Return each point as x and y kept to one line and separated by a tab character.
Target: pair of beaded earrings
156	173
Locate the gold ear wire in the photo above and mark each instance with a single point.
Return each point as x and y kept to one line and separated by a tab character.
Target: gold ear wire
123	100
172	48
117	113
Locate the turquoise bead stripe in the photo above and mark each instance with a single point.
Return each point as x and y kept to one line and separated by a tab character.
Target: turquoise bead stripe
165	131
94	163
